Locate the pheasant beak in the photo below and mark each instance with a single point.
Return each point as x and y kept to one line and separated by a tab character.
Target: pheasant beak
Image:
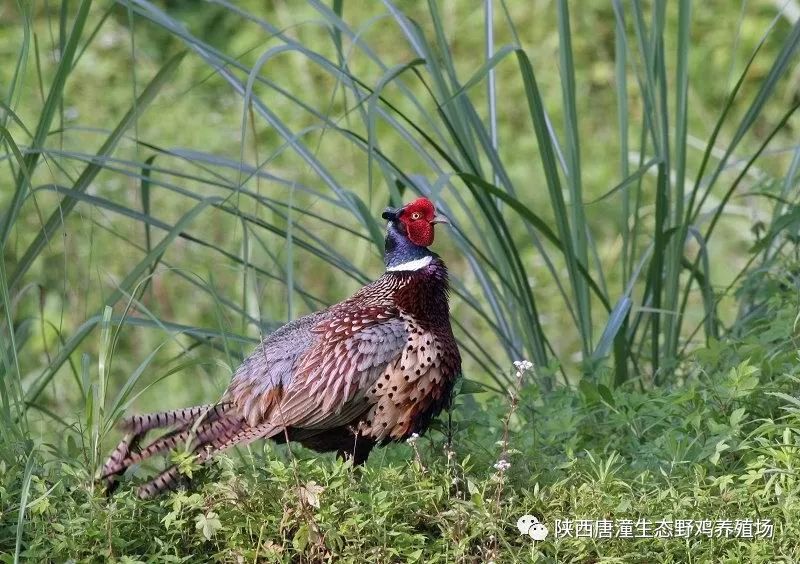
439	218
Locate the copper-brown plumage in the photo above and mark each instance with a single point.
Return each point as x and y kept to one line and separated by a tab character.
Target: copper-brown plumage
374	368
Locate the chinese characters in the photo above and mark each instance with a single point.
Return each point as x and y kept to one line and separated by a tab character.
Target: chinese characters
664	528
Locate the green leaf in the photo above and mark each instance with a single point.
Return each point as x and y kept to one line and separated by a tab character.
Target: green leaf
208	524
737	416
786	397
606	394
301	538
589	391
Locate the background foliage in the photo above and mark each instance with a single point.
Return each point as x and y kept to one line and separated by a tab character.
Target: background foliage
180	181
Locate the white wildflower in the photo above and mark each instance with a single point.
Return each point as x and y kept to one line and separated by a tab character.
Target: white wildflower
502	465
412	439
522	366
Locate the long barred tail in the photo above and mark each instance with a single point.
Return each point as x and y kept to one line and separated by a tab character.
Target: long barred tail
209	428
205	451
137	427
122	458
142	423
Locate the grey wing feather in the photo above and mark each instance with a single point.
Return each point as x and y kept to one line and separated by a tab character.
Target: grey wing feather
271	365
377	344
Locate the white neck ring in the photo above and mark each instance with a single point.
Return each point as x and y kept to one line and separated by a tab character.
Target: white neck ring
411	265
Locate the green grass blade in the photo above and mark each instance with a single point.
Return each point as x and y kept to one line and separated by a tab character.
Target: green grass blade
27	476
91	170
672	288
51	106
765	91
578	225
537	116
15	86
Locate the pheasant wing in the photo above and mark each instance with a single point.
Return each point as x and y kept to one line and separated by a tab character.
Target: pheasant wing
333	376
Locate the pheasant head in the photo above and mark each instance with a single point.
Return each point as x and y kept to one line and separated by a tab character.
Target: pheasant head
409	234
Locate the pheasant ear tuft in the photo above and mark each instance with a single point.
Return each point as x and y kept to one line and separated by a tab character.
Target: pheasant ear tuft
390	214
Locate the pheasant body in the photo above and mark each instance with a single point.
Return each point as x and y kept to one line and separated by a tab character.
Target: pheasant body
372	369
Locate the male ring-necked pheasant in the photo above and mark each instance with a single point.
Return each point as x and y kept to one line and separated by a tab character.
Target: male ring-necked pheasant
374	368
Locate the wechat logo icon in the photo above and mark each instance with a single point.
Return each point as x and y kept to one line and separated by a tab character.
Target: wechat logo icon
530	525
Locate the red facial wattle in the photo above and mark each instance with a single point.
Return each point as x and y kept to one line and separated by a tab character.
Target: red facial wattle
418	218
420	232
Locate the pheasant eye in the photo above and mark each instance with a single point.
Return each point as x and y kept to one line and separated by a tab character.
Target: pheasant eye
415	216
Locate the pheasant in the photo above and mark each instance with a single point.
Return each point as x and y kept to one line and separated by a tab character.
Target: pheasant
372	369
